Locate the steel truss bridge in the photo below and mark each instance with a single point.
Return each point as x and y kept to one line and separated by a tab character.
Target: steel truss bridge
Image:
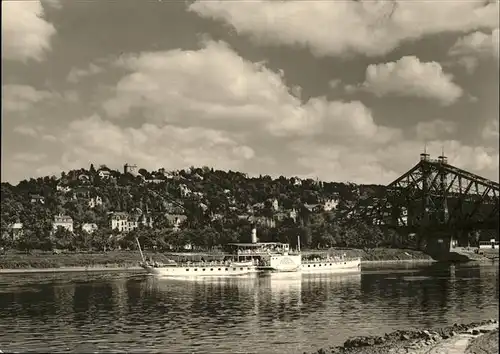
432	198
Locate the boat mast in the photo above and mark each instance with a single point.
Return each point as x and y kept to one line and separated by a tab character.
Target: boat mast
140	249
298	243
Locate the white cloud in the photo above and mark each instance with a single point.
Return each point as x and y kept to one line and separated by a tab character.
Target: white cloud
26	130
386	163
215	86
410	77
76	74
49	138
477	43
234	110
212	107
435	129
25	34
340	28
490	131
95	140
34	132
29	157
334	83
470	48
16	98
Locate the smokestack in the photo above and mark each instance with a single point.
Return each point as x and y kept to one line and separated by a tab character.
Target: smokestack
254	235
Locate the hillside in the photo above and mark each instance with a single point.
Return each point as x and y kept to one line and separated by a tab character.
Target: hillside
201	207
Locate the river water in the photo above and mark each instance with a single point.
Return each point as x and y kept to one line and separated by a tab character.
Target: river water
280	314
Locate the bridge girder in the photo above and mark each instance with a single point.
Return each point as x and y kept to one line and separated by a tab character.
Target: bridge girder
434	195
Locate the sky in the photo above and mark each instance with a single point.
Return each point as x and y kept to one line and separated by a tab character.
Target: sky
337	90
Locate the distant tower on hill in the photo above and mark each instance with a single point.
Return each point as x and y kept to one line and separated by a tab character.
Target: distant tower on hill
132	169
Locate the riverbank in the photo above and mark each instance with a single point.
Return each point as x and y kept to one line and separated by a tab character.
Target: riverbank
130	259
472	338
48	260
72	270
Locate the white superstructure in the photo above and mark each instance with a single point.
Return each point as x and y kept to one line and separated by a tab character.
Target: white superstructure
270	256
255	257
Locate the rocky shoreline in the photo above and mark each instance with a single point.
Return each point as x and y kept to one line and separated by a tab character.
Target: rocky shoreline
487	343
423	341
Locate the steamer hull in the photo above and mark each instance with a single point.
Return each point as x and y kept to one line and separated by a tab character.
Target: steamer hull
352	265
201	270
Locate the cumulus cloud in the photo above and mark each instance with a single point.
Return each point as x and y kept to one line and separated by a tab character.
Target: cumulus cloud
341	28
211	107
490	131
25	34
34	132
470	48
386	163
26	130
16	98
29	157
410	77
334	83
95	140
214	86
76	74
435	129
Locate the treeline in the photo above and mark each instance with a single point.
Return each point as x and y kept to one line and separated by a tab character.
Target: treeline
219	207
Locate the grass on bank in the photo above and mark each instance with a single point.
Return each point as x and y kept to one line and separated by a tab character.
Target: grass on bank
19	260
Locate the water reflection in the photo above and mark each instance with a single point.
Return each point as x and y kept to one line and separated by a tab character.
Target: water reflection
274	313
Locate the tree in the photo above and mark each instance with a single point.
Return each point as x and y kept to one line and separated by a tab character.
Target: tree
227	193
63	239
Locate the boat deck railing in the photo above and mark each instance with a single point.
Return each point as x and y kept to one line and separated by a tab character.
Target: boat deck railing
330	260
265	252
198	264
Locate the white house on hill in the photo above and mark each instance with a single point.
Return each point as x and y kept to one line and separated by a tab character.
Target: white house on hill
122	222
63	221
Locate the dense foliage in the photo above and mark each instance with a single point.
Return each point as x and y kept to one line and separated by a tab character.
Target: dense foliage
218	205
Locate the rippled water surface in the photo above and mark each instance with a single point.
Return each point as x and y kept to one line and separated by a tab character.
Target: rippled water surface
281	314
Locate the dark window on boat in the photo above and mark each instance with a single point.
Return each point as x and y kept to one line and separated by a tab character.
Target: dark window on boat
227	269
309	265
211	269
345	262
195	269
319	265
330	264
314	265
248	268
203	269
218	269
241	268
187	269
234	268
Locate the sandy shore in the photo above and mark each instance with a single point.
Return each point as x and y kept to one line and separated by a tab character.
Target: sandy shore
487	343
474	338
459	344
